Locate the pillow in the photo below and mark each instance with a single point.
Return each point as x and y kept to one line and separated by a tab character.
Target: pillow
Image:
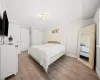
81	44
55	42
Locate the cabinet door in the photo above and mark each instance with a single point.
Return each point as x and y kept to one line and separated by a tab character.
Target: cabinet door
8	60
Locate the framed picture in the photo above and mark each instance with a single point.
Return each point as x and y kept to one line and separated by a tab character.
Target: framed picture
55	30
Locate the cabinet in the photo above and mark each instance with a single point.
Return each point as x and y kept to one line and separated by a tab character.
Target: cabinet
8	61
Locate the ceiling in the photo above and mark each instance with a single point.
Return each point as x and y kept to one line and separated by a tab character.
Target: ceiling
57	11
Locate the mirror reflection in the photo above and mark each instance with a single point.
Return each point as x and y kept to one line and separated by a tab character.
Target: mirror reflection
84	46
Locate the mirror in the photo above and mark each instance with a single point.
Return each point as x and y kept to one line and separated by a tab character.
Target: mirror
84	46
87	45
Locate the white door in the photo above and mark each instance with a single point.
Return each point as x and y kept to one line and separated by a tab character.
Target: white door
14	31
24	38
38	37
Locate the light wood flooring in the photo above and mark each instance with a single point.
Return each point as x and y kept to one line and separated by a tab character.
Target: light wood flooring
65	68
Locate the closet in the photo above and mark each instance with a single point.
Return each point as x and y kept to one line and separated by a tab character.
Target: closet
36	36
25	36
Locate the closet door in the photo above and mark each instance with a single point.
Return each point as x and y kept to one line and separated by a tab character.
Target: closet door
38	37
14	31
25	38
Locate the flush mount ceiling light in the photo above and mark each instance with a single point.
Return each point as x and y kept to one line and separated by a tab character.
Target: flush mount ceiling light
43	16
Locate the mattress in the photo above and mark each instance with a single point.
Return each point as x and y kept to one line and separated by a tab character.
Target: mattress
85	49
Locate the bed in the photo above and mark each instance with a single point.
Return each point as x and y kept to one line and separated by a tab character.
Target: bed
84	51
46	54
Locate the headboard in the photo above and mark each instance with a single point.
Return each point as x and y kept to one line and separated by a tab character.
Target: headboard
55	42
59	39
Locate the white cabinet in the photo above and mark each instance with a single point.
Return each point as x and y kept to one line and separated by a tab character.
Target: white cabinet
8	60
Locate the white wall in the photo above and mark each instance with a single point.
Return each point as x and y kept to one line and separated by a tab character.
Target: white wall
70	31
0	51
14	31
0	7
97	22
0	14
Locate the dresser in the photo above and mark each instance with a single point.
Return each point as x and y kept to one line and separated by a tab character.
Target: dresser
8	61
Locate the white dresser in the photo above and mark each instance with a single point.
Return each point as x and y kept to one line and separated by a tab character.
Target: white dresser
8	61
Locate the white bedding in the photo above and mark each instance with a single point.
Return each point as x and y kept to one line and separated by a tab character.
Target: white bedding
85	49
85	54
43	53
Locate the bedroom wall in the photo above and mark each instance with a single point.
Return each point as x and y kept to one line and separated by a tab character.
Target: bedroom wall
0	14
0	7
13	26
97	22
15	32
70	31
0	40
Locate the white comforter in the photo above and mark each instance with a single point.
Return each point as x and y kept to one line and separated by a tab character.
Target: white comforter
43	53
85	49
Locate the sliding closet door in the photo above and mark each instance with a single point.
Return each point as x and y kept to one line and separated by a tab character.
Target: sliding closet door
24	38
37	37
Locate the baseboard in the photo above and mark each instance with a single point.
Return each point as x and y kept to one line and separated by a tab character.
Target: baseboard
71	55
98	72
19	52
24	51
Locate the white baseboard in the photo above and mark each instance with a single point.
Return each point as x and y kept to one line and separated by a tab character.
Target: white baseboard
71	55
98	72
19	52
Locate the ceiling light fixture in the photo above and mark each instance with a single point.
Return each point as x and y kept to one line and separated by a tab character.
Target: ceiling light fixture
43	16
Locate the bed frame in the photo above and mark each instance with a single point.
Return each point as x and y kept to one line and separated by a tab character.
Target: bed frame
53	59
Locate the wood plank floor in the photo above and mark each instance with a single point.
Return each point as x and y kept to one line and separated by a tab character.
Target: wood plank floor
65	68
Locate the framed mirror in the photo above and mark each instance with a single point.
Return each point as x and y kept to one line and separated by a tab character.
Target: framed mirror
87	45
